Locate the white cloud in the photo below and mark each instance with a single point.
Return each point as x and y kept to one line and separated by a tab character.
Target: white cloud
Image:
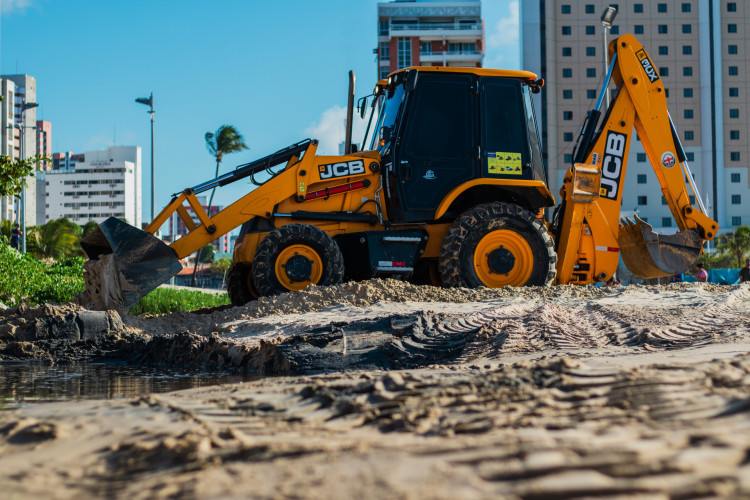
330	130
9	5
504	39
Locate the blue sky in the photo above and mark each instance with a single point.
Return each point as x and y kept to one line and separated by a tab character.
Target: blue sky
275	70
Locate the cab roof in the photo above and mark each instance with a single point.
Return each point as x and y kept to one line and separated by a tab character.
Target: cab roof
504	73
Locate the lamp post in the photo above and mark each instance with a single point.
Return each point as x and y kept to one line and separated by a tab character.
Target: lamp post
607	17
149	101
24	106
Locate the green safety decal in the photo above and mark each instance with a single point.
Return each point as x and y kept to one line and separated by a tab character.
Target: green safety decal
499	162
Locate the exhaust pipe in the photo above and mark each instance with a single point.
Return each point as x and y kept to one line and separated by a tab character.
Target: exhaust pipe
349	115
650	255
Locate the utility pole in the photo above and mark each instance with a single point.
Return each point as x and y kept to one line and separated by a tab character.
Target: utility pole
149	101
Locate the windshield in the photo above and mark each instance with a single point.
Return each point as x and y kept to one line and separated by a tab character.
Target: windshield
389	111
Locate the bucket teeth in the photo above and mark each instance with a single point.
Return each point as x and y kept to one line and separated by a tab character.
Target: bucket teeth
651	255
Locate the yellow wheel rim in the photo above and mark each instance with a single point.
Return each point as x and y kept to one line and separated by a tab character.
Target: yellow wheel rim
298	256
516	270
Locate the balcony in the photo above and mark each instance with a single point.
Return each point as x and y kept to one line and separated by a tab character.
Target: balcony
450	56
436	29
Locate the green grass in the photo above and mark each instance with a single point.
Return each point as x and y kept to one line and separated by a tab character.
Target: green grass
168	300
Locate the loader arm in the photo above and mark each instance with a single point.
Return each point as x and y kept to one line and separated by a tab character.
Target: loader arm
588	232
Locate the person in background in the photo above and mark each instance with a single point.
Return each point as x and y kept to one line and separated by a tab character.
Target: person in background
701	275
15	236
745	272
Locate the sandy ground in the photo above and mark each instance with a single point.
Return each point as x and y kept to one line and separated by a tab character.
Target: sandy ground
396	391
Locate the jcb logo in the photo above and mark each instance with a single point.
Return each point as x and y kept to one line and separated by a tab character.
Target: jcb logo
614	151
647	65
342	169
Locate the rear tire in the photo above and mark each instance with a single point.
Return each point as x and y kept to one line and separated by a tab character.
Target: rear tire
497	244
294	256
240	286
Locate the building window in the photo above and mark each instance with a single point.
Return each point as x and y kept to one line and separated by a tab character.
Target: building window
736	221
385	51
425	48
638	29
590	51
566	30
666	222
735	178
640	157
732	28
687	92
567	94
568	137
567	115
734	135
736	199
638	8
589	8
663	50
690	156
642	178
663	30
643	200
687	71
734	156
734	113
567	51
615	30
688	114
383	27
732	49
590	30
404	52
664	72
734	71
591	72
687	50
687	28
567	73
685	7
591	94
734	92
663	200
661	7
689	135
565	9
732	7
568	158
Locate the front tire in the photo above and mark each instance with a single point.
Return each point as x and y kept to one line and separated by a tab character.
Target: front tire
240	286
497	244
294	256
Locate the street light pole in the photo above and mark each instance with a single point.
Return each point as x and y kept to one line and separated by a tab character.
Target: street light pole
607	17
149	101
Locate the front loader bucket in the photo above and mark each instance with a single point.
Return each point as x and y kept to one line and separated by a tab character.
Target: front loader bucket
125	264
651	255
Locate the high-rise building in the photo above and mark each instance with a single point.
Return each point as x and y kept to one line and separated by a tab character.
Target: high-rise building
44	141
429	33
700	50
92	186
17	138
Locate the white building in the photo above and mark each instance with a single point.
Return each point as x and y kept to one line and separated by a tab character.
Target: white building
98	185
17	126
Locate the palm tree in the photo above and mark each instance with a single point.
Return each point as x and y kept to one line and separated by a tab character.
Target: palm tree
57	239
737	244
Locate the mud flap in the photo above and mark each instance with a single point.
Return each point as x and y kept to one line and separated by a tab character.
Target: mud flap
126	264
650	255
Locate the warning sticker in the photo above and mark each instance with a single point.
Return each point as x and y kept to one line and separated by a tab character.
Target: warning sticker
499	162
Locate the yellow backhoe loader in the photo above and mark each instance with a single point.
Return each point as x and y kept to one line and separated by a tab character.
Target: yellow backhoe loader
448	187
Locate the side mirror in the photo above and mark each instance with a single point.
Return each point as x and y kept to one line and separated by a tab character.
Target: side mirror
361	105
411	80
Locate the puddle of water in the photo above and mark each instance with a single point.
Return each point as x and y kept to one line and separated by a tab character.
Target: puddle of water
22	383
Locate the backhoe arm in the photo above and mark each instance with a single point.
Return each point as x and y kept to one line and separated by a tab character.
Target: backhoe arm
588	231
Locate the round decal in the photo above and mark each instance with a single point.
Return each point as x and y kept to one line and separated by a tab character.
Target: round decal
668	159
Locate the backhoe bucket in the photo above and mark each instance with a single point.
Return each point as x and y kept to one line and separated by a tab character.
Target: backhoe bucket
125	264
650	255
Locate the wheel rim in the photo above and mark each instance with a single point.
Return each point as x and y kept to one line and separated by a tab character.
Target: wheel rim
503	258
304	267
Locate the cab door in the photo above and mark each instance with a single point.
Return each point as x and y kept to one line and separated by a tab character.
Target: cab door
438	147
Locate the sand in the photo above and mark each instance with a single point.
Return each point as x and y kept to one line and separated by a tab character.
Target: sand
387	390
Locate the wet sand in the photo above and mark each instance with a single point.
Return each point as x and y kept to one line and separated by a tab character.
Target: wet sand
386	390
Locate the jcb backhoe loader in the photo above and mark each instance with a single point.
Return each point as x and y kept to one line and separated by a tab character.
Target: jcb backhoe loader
449	188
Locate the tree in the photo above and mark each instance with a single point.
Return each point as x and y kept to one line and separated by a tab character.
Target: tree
737	244
206	254
13	173
88	228
57	239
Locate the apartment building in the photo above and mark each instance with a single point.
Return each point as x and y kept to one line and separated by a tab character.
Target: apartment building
17	138
92	186
178	228
700	48
44	140
429	33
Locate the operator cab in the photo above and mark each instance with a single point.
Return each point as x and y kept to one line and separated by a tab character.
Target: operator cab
438	128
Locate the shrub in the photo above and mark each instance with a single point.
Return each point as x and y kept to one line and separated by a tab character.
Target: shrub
167	300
